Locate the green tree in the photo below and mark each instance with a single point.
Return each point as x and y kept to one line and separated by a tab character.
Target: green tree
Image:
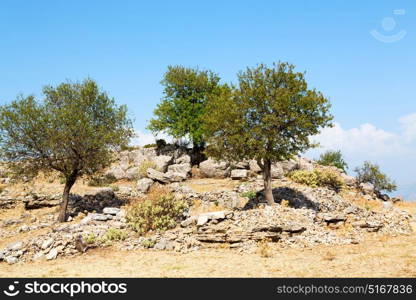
74	131
333	158
371	173
268	117
181	110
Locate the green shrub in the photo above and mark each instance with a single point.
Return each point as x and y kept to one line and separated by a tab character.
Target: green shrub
249	194
370	173
333	158
150	146
90	238
147	164
114	234
159	211
318	177
128	148
148	243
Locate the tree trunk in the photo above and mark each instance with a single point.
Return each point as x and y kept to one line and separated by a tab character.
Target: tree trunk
65	197
267	177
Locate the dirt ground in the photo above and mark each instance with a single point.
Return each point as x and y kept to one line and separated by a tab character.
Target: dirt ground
380	257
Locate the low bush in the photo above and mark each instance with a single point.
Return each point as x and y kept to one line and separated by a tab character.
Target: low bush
318	177
160	211
249	194
114	234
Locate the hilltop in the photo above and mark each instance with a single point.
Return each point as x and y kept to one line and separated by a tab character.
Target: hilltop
224	210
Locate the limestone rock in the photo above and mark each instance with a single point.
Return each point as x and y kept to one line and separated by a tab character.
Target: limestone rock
144	184
214	169
239	174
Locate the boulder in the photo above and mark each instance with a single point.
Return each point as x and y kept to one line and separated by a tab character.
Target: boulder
214	169
241	165
111	210
349	180
367	188
183	168
172	176
288	166
52	254
254	166
132	173
277	171
183	159
47	243
117	172
239	174
143	185
157	176
305	164
162	162
11	260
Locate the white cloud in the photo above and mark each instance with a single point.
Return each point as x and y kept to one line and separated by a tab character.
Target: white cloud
408	124
395	152
366	139
144	138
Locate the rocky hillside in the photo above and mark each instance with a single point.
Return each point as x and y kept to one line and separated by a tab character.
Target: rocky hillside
230	210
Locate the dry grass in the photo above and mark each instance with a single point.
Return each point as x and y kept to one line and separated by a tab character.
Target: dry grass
211	184
377	257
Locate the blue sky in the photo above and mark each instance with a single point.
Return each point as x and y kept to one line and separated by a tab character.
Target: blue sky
127	45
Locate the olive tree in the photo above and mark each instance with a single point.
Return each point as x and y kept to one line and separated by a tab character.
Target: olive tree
333	158
269	116
180	112
371	173
74	131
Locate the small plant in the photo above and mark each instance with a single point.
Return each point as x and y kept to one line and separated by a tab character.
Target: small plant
250	194
115	188
370	173
148	243
318	177
114	234
90	239
144	166
150	146
159	211
263	248
333	158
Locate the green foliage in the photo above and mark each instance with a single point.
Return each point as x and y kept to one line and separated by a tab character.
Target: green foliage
102	180
249	194
114	234
333	158
150	146
148	243
371	173
146	164
318	177
159	211
74	131
90	239
181	111
269	116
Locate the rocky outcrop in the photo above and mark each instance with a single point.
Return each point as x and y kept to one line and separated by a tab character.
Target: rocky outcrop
211	168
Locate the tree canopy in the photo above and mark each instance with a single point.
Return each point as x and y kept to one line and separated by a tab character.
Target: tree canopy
333	158
73	131
371	173
180	113
269	116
